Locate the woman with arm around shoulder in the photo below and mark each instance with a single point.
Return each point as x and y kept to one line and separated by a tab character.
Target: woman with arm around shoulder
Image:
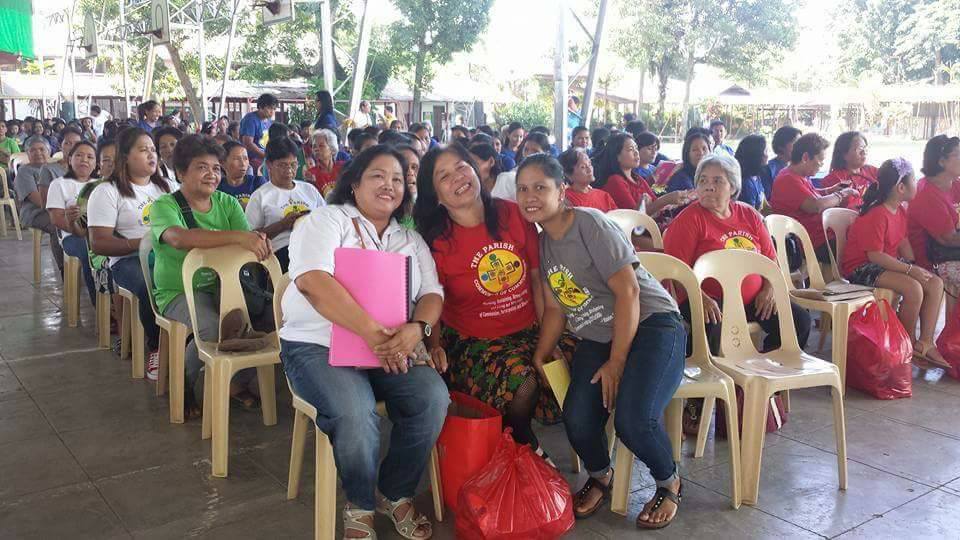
630	358
614	169
487	260
369	198
878	254
848	167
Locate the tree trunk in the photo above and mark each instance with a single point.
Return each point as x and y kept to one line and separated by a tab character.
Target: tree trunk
185	81
662	87
643	81
937	67
417	85
686	91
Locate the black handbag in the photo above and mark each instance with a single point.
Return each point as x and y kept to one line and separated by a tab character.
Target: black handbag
939	253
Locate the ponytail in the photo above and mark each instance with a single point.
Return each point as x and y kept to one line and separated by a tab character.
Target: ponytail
891	173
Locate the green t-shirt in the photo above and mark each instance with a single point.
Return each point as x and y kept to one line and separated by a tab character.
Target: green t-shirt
8	147
225	214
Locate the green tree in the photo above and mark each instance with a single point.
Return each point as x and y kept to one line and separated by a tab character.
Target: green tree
430	33
857	25
929	38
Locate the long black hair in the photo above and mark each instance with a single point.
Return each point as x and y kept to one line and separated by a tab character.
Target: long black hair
536	137
352	174
699	134
485	151
432	219
73	174
120	178
888	177
936	149
841	147
750	155
607	161
325	101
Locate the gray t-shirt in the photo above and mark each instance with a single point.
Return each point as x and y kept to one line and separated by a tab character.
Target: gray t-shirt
27	181
576	269
50	172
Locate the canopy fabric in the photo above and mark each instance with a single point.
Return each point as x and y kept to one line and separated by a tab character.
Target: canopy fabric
16	30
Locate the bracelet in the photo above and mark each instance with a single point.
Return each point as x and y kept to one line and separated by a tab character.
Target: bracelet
909	268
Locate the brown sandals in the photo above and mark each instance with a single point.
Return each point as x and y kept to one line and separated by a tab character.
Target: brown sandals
661	494
585	490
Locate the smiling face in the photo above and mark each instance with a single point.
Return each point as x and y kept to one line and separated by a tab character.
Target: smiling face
856	155
380	190
142	160
167	144
538	196
83	161
202	176
152	114
719	132
581	140
713	188
455	181
413	168
515	137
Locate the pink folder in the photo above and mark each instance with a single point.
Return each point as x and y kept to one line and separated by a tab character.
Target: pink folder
380	282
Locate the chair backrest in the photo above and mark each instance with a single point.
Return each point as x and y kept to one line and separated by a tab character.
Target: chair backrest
665	267
55	158
838	220
780	227
3	182
729	267
279	288
146	247
628	220
226	261
18	159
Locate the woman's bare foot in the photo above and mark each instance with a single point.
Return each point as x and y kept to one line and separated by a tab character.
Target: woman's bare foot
586	501
665	513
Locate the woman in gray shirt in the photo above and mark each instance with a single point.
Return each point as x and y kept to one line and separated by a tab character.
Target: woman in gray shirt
631	354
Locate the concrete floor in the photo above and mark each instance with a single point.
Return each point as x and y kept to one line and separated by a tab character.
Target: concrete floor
87	452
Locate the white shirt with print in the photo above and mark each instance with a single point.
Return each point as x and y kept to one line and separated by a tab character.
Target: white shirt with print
128	216
269	204
62	194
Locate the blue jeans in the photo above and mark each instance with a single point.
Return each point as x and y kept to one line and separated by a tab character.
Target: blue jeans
346	400
76	246
651	376
126	273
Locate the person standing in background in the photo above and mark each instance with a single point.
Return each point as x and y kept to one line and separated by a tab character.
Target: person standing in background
254	127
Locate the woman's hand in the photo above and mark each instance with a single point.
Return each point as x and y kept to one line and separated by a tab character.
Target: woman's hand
401	341
711	310
920	274
438	359
375	338
765	304
609	376
849	192
292	218
258	244
72	213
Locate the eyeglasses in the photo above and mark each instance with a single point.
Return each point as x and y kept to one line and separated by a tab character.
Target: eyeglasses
281	165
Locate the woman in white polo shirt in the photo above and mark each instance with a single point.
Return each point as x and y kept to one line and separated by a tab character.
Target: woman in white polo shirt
274	207
118	215
364	211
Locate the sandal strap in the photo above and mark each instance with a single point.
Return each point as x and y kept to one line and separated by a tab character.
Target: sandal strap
410	523
351	520
664	493
594	483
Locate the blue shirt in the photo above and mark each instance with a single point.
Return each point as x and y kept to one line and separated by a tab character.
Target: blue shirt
723	147
774	166
253	126
645	172
326	121
508	160
680	181
244	190
343	156
751	191
146	126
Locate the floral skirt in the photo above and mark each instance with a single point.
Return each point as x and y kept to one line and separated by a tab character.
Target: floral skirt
492	370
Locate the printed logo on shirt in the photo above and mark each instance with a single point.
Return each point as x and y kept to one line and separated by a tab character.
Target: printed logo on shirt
145	211
739	240
243	199
498	268
566	289
295	207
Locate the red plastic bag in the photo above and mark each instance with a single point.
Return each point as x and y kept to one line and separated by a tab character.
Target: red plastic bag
517	496
469	437
949	342
879	353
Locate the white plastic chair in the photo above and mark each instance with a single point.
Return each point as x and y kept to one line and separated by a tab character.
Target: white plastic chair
8	202
630	220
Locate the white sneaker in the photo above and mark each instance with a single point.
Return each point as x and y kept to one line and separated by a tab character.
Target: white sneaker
153	365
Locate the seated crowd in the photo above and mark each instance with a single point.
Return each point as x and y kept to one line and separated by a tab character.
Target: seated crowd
494	299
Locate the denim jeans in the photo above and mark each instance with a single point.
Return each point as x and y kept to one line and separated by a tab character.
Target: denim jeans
651	376
76	246
346	400
126	273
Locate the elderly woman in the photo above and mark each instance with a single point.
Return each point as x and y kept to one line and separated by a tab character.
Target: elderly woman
794	194
323	145
365	207
848	167
718	221
578	172
31	188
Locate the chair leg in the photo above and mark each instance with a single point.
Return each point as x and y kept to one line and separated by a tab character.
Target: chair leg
611	436
673	419
733	438
207	422
126	332
755	404
825	323
436	487
703	431
103	320
37	238
3	217
266	379
221	375
325	499
297	446
623	467
71	297
841	325
840	431
575	461
16	223
175	368
136	339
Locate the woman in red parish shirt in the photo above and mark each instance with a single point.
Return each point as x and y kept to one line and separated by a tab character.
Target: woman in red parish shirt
488	261
878	254
848	167
795	196
578	173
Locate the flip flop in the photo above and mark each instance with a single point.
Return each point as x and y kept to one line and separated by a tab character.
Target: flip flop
585	490
661	494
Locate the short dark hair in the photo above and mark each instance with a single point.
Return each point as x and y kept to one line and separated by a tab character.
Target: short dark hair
635	128
547	164
568	159
540	129
352	136
645	138
95	109
278	130
70	130
784	136
192	147
362	138
598	137
146	106
716	123
750	155
936	149
280	148
629	117
481	138
842	146
486	129
578	129
575	99
166	130
394	137
350	176
267	100
810	144
229	146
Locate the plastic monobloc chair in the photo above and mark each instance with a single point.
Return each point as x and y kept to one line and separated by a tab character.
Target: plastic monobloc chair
325	487
8	202
220	366
630	220
763	374
173	341
131	333
839	220
837	312
37	239
71	289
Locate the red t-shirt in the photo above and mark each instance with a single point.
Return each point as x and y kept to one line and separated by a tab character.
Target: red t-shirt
931	213
486	282
628	193
789	192
696	231
326	180
594	198
877	230
860	181
954	188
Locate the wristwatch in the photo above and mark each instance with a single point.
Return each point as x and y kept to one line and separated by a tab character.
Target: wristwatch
427	329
